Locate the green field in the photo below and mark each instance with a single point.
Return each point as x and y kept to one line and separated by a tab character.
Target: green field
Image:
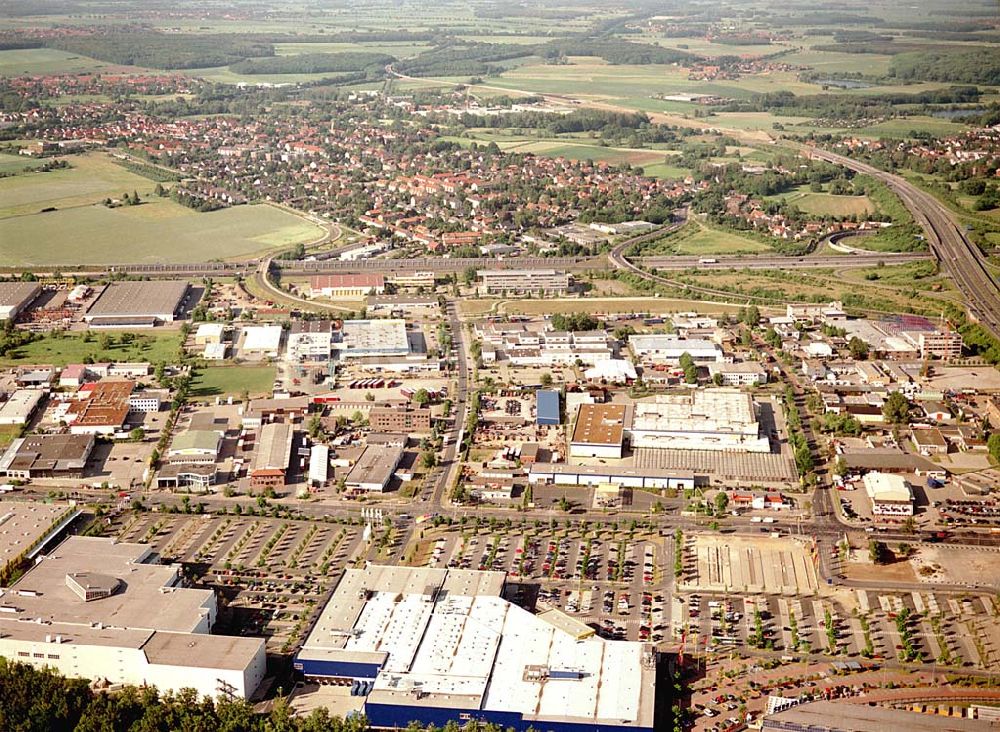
698	239
232	380
36	61
17	163
826	204
72	348
91	178
85	232
157	231
654	162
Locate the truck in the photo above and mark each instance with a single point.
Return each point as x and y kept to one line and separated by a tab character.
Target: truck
708	260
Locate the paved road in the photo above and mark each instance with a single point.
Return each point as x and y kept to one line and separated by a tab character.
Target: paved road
960	257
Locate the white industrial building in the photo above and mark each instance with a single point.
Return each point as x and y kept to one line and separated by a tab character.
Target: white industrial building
612	371
361	338
709	419
890	494
745	373
20	407
669	349
435	645
262	340
100	610
319	465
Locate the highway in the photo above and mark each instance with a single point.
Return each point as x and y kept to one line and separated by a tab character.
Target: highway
957	255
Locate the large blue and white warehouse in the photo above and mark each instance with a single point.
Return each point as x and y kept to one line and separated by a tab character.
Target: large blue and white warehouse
433	645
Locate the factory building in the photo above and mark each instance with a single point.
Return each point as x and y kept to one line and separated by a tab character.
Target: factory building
669	349
101	408
47	456
890	494
437	645
599	431
363	338
375	468
273	455
137	304
709	419
346	285
595	475
262	341
523	282
20	407
102	610
310	340
547	407
15	297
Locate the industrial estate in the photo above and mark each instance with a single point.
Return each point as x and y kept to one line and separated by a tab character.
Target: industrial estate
500	366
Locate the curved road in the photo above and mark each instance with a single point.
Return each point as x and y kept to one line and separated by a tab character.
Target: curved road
959	256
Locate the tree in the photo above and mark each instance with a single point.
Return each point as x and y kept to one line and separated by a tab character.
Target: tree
858	348
137	435
422	397
721	503
896	408
993	445
469	275
315	428
428	459
751	316
546	379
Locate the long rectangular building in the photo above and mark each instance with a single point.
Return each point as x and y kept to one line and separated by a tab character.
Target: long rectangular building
273	456
437	645
709	419
15	297
523	282
138	303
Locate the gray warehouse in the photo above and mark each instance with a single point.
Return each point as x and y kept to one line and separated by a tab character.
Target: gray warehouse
138	304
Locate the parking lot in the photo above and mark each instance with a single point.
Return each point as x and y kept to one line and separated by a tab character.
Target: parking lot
603	578
951	630
271	573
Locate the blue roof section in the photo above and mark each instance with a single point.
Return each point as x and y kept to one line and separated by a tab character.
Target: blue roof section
547	406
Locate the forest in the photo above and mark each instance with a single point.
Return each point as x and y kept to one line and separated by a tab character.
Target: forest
312	63
162	51
959	65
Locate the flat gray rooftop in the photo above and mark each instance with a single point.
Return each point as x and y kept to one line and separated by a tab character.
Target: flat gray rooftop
146	600
15	294
139	298
22	523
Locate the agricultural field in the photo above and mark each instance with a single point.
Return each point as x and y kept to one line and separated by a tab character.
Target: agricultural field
65	348
213	381
97	235
699	239
81	230
89	179
821	203
16	164
34	61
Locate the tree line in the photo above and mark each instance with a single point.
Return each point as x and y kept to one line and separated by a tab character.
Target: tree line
313	63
